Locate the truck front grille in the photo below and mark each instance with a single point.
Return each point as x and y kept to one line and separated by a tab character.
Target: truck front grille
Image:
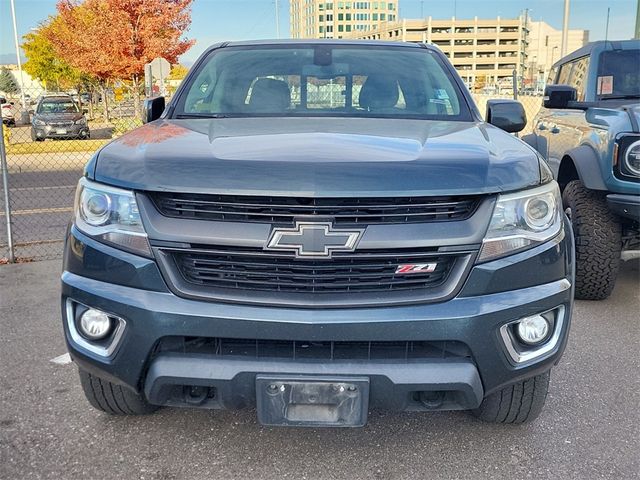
255	269
284	210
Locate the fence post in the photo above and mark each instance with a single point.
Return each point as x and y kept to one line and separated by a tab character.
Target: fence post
5	187
514	76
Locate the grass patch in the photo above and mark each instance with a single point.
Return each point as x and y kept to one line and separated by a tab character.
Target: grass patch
55	146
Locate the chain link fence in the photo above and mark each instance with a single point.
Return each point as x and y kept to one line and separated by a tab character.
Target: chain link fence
48	138
47	144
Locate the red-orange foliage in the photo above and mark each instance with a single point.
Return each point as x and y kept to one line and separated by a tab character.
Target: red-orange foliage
115	38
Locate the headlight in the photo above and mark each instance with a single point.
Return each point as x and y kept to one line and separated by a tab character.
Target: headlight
81	121
39	122
632	158
110	215
522	220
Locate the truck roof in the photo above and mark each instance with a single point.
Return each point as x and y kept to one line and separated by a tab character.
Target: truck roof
597	47
327	41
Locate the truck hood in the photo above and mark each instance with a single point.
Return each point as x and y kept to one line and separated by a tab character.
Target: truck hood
321	157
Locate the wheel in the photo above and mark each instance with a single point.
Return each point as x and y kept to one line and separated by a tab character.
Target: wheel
521	402
598	236
112	398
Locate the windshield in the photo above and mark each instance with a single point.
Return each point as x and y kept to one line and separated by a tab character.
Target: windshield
619	74
323	80
57	105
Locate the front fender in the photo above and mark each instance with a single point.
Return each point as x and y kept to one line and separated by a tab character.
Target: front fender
587	164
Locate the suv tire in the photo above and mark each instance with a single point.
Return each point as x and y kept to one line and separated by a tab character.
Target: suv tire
113	399
521	402
598	236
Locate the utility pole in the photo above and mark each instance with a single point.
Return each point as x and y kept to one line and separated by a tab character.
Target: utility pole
565	30
277	20
637	34
15	38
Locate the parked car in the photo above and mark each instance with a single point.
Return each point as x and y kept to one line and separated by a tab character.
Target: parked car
588	130
382	246
8	112
58	116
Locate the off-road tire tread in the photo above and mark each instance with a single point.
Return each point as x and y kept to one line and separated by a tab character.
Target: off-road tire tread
111	398
521	402
598	237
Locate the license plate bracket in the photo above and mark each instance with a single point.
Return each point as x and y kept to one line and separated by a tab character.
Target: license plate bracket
313	401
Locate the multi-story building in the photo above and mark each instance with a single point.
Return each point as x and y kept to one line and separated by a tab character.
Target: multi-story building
337	19
545	47
485	52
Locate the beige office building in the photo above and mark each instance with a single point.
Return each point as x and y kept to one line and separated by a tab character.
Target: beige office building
545	47
338	19
485	52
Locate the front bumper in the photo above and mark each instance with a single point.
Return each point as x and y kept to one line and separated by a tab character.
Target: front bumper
73	131
627	206
496	293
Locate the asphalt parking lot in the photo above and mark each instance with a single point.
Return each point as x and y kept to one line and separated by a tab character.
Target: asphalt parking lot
589	429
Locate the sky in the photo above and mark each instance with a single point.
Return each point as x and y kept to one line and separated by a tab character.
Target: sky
218	20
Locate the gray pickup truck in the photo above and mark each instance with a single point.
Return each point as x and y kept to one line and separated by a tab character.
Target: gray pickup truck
314	228
588	131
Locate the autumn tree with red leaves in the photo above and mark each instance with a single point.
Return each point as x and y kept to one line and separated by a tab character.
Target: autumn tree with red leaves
114	39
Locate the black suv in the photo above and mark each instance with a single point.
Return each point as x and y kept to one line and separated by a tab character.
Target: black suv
315	228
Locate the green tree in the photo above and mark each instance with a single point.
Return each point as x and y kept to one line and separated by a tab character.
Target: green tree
43	63
8	83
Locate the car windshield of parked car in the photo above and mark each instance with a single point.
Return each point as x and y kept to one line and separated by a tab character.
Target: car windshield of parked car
57	105
619	74
323	80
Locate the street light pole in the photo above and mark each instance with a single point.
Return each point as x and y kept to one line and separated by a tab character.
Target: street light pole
565	30
277	20
15	38
637	32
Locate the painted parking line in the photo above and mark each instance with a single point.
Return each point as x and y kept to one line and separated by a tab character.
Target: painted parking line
35	211
25	189
64	359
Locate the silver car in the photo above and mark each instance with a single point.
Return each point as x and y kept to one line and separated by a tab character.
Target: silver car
58	117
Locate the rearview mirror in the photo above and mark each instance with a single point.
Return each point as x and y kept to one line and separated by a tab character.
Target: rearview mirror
507	115
559	96
152	109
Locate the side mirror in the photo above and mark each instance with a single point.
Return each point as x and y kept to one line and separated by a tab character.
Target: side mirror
152	109
559	96
507	115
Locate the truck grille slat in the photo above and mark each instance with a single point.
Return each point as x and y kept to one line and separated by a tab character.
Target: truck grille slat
362	211
285	273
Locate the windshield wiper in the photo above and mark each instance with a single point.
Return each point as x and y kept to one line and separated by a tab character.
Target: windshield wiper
203	115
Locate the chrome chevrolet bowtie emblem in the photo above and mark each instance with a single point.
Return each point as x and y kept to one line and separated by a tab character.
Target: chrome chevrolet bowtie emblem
310	239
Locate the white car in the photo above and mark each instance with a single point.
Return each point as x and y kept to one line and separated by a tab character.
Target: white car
8	112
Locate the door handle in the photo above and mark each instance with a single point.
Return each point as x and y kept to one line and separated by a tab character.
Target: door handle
541	126
555	129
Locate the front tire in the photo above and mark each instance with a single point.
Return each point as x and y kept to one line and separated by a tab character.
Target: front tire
113	399
598	235
521	402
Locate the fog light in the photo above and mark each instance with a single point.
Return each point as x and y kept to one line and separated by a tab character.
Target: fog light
95	324
533	330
